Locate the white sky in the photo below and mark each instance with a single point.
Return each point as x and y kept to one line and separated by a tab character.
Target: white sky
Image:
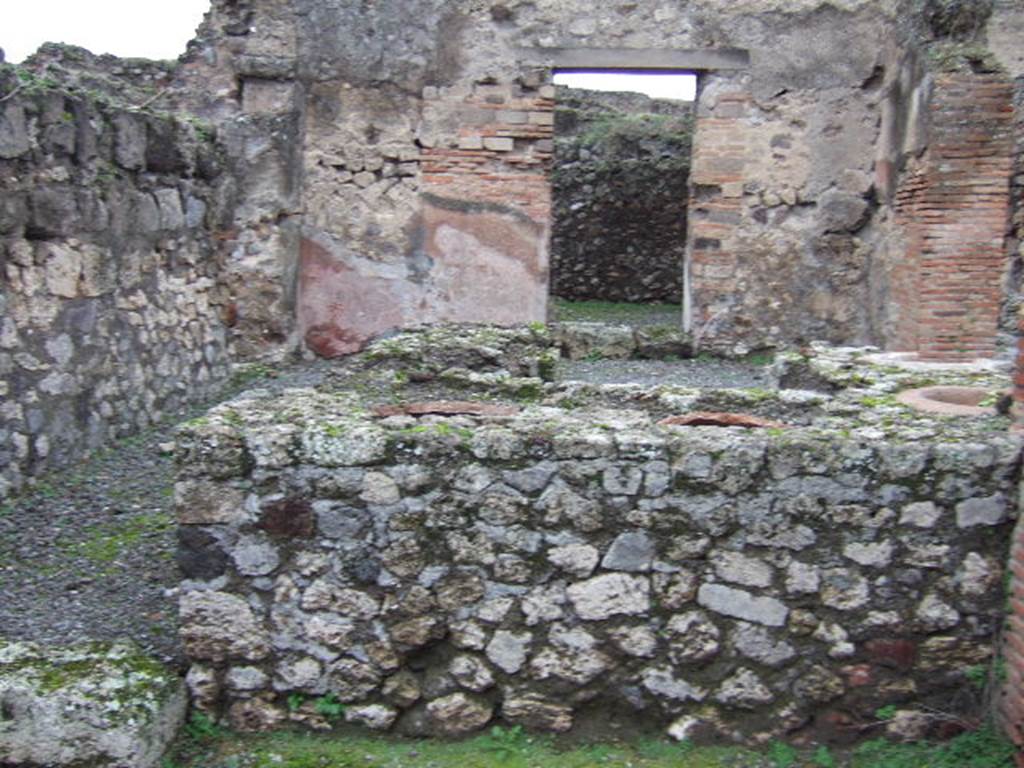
659	86
152	29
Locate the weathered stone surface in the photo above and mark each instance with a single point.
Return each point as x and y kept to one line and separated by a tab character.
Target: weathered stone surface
921	514
298	674
402	689
844	589
635	641
242	679
661	682
352	680
876	555
14	140
338	446
199	554
692	638
977	575
507	650
580	560
323	594
933	614
254	716
199	502
908	725
742	605
610	595
374	716
543	604
218	626
575	665
630	552
101	704
471	673
535	712
990	510
741	569
756	643
255	558
459	714
818	685
744	689
802	578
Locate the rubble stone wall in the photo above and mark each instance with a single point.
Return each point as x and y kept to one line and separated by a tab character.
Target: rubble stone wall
544	568
110	311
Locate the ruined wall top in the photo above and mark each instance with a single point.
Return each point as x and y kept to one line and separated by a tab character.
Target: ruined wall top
373	42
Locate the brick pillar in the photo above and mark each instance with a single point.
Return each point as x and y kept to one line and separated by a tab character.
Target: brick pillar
1016	243
716	204
955	208
1012	705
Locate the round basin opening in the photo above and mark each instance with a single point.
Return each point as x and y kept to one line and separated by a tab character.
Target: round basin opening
950	400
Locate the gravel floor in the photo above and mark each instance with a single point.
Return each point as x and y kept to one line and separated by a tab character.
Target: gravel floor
89	554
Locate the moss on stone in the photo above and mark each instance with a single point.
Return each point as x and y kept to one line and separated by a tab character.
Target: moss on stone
125	683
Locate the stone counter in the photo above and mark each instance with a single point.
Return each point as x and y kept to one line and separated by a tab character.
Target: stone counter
435	574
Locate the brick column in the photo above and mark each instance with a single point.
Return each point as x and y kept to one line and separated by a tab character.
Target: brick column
716	203
954	207
1012	705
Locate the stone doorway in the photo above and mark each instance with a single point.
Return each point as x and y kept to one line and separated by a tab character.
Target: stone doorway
619	182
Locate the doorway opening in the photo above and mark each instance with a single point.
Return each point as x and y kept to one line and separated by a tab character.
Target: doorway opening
619	194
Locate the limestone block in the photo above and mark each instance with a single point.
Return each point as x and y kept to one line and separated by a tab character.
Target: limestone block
459	714
633	551
200	502
169	204
130	141
920	514
609	595
507	650
96	704
471	673
741	569
661	682
742	605
14	138
577	559
744	690
377	717
534	711
756	643
63	268
692	637
216	626
990	510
